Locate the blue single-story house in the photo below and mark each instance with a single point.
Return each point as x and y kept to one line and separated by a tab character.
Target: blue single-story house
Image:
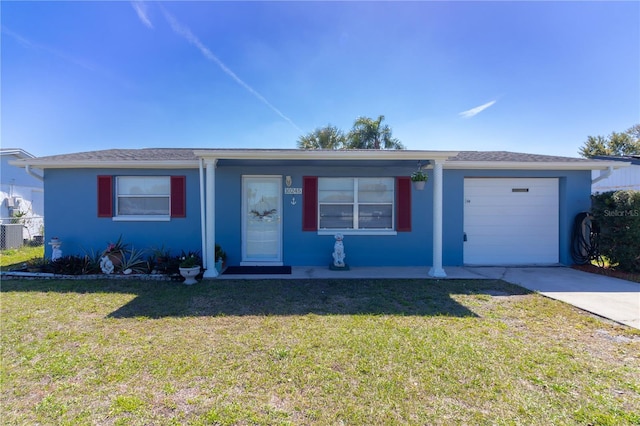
284	206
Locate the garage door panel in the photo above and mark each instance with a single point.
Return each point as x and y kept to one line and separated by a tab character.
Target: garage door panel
543	257
515	239
505	227
491	197
512	240
533	220
518	209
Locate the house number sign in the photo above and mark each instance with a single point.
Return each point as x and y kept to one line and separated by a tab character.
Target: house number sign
293	191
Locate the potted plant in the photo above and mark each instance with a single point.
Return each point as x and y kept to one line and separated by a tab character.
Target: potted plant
115	252
419	179
189	267
221	258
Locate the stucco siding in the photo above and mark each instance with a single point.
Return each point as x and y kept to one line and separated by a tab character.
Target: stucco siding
71	214
574	197
302	248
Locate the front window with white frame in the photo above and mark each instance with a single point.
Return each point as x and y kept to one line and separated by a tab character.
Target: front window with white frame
143	197
356	203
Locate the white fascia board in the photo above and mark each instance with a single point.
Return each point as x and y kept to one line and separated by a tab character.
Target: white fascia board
533	165
300	154
93	164
17	152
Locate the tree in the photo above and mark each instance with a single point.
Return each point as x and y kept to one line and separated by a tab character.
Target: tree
368	133
625	143
634	131
328	137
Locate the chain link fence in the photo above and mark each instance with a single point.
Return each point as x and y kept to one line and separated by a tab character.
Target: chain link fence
16	232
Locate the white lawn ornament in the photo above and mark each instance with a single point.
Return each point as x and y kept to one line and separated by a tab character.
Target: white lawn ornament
106	265
56	253
338	252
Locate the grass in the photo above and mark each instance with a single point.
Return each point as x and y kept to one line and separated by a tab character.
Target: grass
16	257
360	352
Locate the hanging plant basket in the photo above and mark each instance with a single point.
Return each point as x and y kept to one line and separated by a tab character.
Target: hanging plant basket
418	185
419	179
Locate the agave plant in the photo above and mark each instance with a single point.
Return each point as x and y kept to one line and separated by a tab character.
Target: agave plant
134	260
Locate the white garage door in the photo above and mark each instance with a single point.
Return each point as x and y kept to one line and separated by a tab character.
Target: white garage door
511	221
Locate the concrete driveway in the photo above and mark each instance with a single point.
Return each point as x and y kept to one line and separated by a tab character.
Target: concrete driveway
613	298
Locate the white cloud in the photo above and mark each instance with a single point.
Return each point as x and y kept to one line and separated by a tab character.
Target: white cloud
185	33
141	10
477	110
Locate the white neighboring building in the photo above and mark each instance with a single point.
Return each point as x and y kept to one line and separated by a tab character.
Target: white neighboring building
620	179
21	194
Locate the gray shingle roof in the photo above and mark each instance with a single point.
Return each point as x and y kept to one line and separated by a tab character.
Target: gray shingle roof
185	157
507	156
145	154
186	154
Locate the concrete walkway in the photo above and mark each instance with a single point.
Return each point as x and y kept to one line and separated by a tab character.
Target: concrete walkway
611	298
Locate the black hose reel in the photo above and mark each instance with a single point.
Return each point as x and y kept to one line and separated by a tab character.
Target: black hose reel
585	236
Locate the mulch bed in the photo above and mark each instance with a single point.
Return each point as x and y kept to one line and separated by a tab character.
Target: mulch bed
629	276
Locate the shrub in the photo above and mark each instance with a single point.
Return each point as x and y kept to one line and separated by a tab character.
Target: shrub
190	261
74	265
618	215
134	259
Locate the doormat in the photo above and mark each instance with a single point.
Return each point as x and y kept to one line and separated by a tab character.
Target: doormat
257	270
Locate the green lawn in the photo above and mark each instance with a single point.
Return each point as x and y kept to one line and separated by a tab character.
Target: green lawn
357	352
12	258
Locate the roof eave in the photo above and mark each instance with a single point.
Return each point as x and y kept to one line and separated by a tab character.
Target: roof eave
534	165
95	164
17	152
299	154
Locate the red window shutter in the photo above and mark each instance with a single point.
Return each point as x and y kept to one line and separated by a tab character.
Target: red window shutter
310	203
178	196
105	196
403	204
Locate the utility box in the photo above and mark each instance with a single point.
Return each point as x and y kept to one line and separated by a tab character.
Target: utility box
11	236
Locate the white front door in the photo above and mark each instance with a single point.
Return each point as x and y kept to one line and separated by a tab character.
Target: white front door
261	220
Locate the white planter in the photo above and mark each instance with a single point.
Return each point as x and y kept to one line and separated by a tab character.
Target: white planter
419	184
190	274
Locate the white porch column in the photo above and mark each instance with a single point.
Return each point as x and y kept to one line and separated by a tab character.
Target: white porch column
210	218
436	270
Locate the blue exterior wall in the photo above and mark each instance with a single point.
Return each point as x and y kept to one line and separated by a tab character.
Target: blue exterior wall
574	197
308	248
71	215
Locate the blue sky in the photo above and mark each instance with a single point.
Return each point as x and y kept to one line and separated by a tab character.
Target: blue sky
533	77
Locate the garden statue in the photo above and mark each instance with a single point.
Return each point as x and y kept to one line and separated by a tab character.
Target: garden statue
56	253
338	252
106	265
